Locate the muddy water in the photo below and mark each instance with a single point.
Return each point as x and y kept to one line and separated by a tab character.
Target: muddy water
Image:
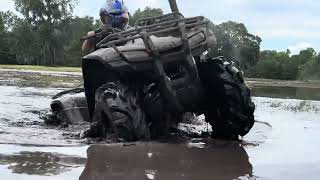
47	162
282	145
304	93
20	117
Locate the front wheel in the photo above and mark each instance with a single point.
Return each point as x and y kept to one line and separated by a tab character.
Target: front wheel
118	114
228	106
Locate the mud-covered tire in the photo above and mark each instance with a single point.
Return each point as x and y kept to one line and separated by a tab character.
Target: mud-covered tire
163	122
118	113
228	105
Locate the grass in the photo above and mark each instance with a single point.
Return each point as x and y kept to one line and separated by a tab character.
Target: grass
40	68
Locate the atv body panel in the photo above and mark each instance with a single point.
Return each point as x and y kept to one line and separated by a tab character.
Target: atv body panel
71	106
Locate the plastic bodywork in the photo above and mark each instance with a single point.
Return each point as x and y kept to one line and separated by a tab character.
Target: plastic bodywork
73	105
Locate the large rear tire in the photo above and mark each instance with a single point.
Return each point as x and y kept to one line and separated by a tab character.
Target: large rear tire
118	114
228	106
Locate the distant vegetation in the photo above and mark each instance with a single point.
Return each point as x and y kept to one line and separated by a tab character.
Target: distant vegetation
283	65
48	34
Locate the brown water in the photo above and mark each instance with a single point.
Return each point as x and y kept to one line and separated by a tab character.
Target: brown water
288	149
304	93
283	145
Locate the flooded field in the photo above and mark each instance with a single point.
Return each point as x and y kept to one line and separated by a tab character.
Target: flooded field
282	145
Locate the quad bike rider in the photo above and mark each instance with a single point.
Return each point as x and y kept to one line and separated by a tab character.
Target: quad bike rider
113	15
140	81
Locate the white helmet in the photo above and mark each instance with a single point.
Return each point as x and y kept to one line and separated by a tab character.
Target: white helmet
113	7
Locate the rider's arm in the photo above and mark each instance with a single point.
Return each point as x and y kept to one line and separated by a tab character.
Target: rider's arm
87	45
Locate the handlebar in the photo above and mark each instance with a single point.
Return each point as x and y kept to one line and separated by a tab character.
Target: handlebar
102	32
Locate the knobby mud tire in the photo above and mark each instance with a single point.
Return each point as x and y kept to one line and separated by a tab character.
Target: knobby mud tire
163	122
229	107
118	114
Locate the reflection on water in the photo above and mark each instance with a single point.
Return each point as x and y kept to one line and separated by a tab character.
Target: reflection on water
218	160
288	92
41	163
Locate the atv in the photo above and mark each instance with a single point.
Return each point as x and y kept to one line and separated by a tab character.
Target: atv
139	82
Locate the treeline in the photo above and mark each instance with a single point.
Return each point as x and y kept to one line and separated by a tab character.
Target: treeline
48	33
283	65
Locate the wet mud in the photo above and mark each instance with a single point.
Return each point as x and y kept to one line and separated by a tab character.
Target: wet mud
21	118
40	79
282	145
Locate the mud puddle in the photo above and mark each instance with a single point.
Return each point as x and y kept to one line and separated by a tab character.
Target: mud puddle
282	145
20	118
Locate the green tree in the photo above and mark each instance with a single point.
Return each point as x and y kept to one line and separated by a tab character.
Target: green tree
235	43
77	28
283	65
308	64
44	23
271	65
45	11
310	70
268	66
147	12
6	21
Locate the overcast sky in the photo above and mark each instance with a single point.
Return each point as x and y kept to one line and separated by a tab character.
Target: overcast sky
282	24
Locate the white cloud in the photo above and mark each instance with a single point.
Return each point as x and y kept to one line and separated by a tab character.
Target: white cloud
295	49
6	5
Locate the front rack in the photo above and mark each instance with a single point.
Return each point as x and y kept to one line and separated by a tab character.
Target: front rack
164	25
153	29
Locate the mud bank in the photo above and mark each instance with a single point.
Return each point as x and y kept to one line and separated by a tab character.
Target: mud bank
254	82
46	79
13	76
